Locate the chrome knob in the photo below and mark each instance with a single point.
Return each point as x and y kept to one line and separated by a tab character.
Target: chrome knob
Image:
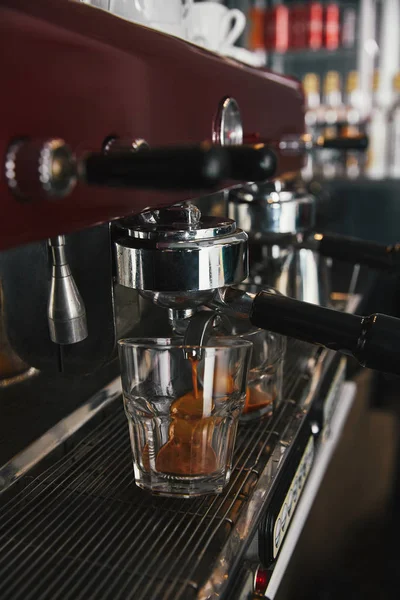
37	169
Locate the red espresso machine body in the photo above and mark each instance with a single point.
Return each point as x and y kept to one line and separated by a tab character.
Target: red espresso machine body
83	75
73	72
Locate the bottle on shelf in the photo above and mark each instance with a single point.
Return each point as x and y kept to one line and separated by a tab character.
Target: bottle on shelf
377	154
348	27
353	125
332	115
256	17
314	25
277	28
331	25
311	88
297	26
306	26
393	154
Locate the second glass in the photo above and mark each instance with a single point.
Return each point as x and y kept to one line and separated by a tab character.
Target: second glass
183	405
264	381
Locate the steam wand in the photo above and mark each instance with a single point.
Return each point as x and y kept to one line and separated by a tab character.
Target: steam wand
66	310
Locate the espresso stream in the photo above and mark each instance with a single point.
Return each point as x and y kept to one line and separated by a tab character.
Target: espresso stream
189	448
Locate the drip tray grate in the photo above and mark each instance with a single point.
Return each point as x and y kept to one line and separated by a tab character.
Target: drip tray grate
81	528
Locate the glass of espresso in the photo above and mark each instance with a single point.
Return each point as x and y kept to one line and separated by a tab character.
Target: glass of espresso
183	405
265	378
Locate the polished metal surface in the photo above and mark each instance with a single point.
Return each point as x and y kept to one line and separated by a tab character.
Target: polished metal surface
227	127
276	219
177	223
264	209
301	274
66	310
78	527
178	257
37	169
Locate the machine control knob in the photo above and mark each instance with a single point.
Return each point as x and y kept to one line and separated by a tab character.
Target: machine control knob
37	169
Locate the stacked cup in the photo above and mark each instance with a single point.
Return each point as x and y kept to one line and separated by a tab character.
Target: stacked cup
214	26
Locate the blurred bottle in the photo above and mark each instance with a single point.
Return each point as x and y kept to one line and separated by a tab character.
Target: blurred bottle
277	28
314	14
353	126
312	96
331	26
348	27
332	115
306	25
297	26
257	16
393	157
376	163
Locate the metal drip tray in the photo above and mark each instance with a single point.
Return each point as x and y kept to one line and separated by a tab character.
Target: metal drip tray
76	526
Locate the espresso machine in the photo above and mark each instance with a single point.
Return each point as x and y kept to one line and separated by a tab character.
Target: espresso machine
115	189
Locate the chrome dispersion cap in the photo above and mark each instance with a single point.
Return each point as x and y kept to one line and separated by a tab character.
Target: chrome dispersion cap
177	256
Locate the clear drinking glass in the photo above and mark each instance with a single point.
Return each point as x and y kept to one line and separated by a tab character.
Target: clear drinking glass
265	379
264	383
183	405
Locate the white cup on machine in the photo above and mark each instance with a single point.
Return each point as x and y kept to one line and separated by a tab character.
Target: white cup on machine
214	26
169	16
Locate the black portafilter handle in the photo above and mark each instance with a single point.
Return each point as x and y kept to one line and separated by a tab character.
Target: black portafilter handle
169	168
349	249
374	341
357	142
251	163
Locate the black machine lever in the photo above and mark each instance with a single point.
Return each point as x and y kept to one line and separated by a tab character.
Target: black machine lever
131	165
251	163
180	168
349	249
374	340
356	142
299	144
